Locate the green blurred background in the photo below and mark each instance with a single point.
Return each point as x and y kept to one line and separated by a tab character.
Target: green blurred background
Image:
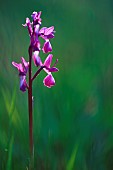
73	121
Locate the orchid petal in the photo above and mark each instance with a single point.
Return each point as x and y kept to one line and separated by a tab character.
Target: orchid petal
36	59
18	66
36	46
47	64
47	33
36	17
25	64
36	29
50	36
28	24
52	69
48	61
49	81
49	30
23	84
47	47
42	30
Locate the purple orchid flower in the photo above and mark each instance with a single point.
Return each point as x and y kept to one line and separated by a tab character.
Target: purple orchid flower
47	64
33	29
46	34
22	68
36	18
35	34
23	83
36	59
49	80
28	24
47	47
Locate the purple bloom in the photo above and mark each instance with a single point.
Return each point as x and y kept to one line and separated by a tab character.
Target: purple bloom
47	47
36	59
33	29
36	17
49	81
47	64
35	44
22	68
23	84
47	33
35	32
34	49
29	25
25	64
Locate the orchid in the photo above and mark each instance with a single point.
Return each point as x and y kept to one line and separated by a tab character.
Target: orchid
49	80
35	34
22	69
25	68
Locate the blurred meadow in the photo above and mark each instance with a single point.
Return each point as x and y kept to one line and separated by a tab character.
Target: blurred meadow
73	121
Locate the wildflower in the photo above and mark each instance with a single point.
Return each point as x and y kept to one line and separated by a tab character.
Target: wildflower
47	64
47	47
46	34
49	79
36	18
36	59
22	69
35	34
29	25
23	84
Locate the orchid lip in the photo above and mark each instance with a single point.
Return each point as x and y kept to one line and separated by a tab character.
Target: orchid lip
49	81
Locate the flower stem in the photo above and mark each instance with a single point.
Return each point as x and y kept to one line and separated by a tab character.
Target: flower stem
31	142
37	73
